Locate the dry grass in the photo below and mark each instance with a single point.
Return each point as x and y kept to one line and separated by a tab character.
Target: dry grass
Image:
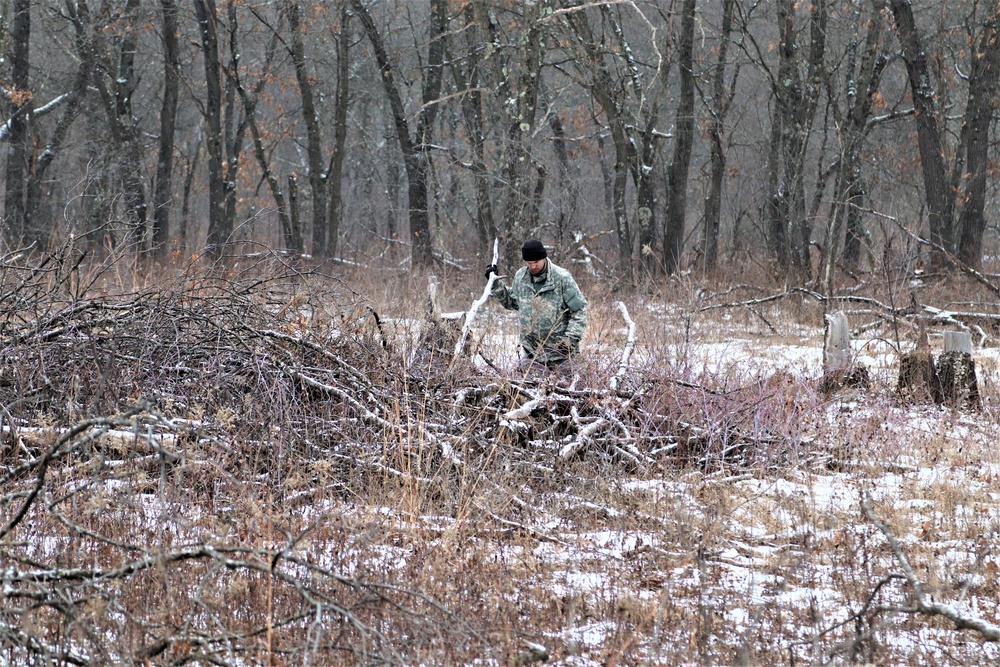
241	467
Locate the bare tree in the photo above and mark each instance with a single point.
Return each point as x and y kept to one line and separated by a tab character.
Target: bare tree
602	86
631	107
514	71
219	226
116	84
163	194
979	114
19	104
341	108
314	139
796	85
718	106
677	174
72	107
932	158
865	62
416	149
961	189
466	69
291	232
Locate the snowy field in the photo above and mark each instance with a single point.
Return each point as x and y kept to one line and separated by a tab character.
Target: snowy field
298	495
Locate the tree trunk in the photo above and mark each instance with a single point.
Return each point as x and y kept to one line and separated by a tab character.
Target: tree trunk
775	208
932	159
235	119
137	210
864	66
293	236
218	229
192	170
71	110
645	202
677	174
19	135
163	195
517	116
467	81
602	87
290	231
420	229
796	88
565	200
314	150
336	173
416	155
718	110
116	85
979	117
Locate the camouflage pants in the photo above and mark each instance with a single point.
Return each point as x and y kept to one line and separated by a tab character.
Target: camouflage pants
546	364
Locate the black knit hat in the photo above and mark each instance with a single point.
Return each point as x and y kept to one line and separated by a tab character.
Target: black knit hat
533	250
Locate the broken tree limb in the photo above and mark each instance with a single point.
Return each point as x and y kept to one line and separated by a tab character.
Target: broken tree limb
629	346
961	619
582	439
816	296
951	258
470	315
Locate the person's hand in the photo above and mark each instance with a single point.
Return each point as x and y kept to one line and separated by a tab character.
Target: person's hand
492	268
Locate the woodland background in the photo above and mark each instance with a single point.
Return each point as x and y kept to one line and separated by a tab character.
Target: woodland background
809	138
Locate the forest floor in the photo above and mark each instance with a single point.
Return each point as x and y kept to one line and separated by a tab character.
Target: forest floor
296	470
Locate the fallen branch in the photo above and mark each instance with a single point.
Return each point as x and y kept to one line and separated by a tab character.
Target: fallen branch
962	621
629	346
950	258
864	300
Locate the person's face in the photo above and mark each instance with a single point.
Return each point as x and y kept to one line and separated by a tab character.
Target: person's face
535	266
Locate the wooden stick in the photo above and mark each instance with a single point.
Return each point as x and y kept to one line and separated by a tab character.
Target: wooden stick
629	346
470	315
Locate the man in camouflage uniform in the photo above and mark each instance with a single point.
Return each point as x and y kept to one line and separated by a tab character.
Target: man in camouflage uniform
551	309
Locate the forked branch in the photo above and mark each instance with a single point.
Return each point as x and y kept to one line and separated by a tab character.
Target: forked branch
923	604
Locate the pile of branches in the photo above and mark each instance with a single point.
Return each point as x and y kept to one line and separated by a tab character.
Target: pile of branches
243	404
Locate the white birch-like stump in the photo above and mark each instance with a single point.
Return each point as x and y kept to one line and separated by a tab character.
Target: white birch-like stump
839	369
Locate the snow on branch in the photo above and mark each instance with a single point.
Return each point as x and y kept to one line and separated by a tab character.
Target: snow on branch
470	315
629	346
924	604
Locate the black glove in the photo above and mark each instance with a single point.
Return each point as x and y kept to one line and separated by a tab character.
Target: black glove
492	268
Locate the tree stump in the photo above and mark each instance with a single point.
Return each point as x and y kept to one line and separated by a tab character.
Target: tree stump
957	371
435	344
839	369
918	377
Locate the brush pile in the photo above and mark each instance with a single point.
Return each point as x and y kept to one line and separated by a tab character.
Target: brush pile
166	450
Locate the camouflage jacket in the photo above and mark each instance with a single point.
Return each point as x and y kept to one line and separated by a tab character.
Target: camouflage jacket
551	310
